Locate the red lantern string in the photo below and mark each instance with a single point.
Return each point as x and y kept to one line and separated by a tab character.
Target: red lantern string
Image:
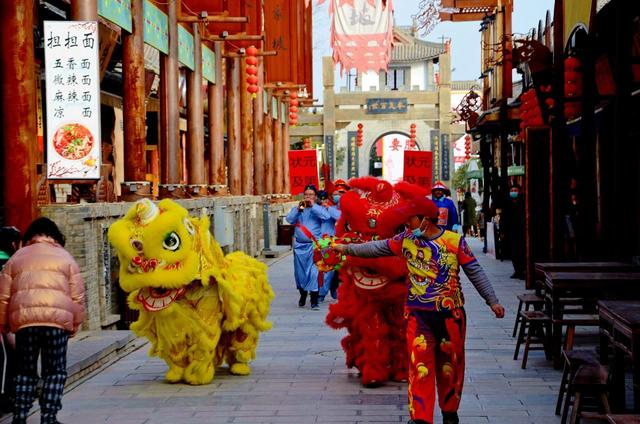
252	70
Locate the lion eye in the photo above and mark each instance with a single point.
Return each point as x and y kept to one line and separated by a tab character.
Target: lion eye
171	242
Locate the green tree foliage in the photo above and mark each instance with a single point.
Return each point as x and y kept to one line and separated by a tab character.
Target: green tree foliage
460	177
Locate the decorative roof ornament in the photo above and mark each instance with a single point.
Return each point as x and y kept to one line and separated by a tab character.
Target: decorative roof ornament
361	34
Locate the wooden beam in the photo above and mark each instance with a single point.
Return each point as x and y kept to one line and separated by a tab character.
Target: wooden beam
268	147
462	17
135	133
195	119
307	131
310	118
217	168
246	132
234	37
267	53
214	18
348	115
233	126
463	4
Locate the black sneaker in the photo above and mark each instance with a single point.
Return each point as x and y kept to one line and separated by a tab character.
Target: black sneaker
450	418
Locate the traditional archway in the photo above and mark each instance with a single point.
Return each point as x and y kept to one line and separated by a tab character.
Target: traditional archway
394	143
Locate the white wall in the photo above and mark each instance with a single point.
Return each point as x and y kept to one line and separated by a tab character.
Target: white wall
370	79
419	75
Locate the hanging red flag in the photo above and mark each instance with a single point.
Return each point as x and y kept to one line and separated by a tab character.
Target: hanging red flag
361	33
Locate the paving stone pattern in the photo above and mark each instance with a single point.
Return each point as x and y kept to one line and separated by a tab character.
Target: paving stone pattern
299	375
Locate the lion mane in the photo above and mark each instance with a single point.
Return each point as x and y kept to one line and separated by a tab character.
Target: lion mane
198	307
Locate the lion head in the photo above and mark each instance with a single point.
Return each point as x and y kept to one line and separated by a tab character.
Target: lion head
159	250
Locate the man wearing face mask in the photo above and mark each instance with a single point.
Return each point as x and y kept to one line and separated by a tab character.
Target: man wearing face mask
447	213
436	320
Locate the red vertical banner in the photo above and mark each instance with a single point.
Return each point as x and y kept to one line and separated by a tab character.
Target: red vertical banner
418	168
303	170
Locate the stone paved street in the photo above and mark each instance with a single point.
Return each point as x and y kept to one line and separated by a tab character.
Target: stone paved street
299	375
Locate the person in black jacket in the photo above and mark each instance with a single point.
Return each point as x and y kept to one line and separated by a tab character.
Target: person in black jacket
515	227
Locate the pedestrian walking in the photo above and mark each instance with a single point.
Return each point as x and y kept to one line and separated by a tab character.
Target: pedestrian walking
514	225
436	319
307	217
42	302
327	227
9	243
470	219
447	213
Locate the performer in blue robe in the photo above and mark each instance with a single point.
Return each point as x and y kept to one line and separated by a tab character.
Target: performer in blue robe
307	217
328	227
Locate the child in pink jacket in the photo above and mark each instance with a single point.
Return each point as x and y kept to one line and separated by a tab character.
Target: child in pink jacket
42	302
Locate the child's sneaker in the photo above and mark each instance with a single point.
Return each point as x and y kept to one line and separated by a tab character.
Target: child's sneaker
315	307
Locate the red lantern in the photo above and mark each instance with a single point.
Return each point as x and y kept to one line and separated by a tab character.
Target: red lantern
293	95
251	61
252	70
293	116
293	109
359	135
252	80
253	89
252	51
467	146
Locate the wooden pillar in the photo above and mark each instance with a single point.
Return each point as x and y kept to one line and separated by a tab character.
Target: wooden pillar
278	162
268	147
86	10
258	133
246	132
286	142
329	115
133	100
19	128
195	119
217	175
233	126
169	114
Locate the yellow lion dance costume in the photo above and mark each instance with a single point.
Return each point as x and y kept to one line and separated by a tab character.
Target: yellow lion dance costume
198	307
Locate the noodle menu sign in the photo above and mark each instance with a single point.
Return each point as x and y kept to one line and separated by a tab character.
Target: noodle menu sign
73	99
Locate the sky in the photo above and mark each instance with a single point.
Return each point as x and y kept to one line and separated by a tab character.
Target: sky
465	38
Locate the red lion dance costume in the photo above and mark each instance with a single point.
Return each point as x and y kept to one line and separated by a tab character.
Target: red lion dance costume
373	292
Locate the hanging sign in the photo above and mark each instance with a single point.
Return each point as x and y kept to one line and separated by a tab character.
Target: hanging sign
303	170
435	148
208	64
73	99
328	147
379	106
418	168
186	48
117	11
444	154
156	27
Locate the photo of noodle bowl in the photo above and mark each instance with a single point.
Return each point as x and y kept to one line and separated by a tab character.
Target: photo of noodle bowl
73	141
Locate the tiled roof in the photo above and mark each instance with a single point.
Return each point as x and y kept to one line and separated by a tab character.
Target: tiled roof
408	48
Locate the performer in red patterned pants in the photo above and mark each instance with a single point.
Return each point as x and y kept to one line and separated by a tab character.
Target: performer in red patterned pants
436	321
435	342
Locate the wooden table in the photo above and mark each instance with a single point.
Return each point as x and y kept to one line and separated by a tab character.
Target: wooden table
620	327
560	286
541	268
